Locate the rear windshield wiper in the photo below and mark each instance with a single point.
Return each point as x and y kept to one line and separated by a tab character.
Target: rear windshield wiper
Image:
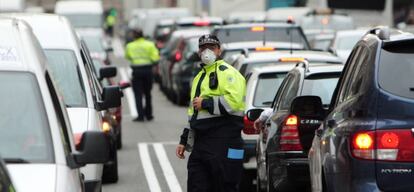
15	160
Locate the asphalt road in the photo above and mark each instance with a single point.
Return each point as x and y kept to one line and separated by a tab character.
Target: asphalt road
147	161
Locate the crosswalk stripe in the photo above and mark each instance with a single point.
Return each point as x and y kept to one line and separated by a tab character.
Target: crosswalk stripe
128	93
167	169
152	180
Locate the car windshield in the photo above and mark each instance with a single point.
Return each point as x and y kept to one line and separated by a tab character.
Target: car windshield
267	86
65	71
322	85
85	20
273	34
94	43
24	130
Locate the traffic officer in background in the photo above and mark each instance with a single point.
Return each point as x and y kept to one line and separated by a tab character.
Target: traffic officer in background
143	55
215	122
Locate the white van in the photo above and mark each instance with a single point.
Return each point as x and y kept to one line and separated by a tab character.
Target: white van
82	13
70	65
36	138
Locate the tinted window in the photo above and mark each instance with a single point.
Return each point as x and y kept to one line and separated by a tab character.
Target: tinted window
266	88
65	71
279	34
86	20
24	127
396	71
322	86
289	93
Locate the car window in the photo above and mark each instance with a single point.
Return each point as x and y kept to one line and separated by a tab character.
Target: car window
322	85
396	70
348	71
90	72
24	127
279	92
94	43
85	20
266	88
289	93
65	72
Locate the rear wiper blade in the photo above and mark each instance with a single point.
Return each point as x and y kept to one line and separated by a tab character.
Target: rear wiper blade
15	160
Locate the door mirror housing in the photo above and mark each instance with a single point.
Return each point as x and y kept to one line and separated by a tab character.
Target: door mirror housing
111	97
253	114
308	106
107	72
93	148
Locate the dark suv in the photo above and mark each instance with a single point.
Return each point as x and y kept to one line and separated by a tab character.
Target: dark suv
284	142
366	142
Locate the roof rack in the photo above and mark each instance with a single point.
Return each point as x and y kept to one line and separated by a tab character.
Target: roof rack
383	32
304	64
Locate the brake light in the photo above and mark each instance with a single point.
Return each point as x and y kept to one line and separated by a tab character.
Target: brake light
78	138
384	145
325	21
257	29
249	127
292	59
201	23
289	139
106	127
290	19
265	48
178	56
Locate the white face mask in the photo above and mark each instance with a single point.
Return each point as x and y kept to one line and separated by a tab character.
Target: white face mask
208	57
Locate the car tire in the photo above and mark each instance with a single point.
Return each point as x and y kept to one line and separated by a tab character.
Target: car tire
110	170
119	138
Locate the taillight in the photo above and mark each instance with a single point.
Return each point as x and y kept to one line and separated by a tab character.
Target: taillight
106	127
178	56
257	29
249	127
384	145
78	138
289	138
201	23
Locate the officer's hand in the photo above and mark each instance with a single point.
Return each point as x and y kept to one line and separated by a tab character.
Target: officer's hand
258	124
197	103
180	151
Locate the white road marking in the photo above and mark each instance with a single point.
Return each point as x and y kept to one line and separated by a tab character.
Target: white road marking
152	180
128	93
167	169
118	47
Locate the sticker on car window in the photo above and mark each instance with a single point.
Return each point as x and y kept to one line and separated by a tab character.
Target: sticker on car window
8	54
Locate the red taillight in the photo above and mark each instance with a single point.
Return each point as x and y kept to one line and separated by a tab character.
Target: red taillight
201	23
384	145
178	56
289	139
249	127
78	138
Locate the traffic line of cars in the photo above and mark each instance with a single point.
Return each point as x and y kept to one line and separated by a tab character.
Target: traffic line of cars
70	106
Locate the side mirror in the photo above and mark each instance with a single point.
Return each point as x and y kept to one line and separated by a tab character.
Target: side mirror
93	148
253	114
194	57
307	106
332	50
111	97
124	84
109	49
107	72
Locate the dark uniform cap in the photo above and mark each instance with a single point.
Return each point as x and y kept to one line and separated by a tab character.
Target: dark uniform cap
208	39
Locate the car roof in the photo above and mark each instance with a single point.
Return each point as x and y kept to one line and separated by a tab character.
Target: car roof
44	25
351	32
184	20
282	67
78	6
249	25
317	68
255	44
243	16
271	56
165	22
189	33
19	48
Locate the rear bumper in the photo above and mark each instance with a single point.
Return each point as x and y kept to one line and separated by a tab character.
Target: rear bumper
249	149
289	173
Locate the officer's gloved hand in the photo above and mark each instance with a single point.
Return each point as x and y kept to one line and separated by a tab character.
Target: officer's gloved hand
180	151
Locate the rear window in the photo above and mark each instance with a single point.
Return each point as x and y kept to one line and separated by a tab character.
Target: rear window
266	88
24	128
322	85
85	20
396	71
65	71
280	34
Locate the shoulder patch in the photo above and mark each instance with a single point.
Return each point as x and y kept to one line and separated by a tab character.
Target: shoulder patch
223	67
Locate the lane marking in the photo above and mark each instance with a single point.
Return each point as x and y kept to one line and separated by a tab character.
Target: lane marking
167	169
118	47
128	93
152	180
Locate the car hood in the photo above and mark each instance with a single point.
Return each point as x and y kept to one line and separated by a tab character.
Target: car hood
33	177
79	119
343	54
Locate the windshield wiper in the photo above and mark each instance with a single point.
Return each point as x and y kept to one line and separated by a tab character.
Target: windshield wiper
15	160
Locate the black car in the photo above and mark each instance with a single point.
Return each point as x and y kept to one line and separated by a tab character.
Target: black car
366	142
283	144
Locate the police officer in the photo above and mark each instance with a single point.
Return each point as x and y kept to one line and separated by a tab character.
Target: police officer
216	120
142	55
